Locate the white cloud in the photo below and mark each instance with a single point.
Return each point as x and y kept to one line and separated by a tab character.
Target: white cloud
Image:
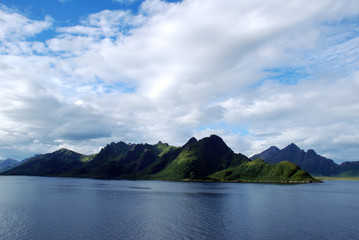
105	24
173	68
316	114
15	26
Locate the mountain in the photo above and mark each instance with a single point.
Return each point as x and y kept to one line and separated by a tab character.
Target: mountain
266	153
124	161
208	159
59	163
309	161
198	159
8	164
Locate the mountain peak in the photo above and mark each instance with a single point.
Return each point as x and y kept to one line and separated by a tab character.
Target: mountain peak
311	151
266	153
273	149
62	150
191	140
216	139
215	136
293	147
160	143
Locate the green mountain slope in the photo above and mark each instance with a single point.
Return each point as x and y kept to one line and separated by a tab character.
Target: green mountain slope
259	171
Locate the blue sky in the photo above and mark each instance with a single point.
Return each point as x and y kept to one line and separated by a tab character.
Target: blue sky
80	74
67	11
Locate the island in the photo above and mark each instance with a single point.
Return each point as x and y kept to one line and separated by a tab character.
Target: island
208	159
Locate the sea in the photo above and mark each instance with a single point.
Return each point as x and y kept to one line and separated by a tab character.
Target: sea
75	208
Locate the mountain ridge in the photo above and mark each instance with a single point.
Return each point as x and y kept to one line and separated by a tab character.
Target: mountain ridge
207	159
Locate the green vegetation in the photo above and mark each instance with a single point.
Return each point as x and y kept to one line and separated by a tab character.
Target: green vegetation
208	159
87	158
198	159
259	171
349	170
163	148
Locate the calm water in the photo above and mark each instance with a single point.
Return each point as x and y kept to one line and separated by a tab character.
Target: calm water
68	208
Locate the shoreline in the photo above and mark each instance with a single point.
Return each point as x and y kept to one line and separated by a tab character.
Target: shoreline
186	180
338	178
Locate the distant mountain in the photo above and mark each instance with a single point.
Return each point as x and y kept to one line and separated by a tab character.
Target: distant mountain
8	164
349	169
266	153
309	161
208	159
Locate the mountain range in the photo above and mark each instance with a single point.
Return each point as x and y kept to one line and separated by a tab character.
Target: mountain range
208	159
309	161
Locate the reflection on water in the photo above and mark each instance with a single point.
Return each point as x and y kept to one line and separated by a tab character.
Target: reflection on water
68	208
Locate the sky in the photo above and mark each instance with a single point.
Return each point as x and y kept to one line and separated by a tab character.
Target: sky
80	74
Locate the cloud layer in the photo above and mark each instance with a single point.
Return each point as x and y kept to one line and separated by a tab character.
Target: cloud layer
257	73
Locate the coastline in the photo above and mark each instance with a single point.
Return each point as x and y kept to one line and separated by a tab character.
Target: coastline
188	180
338	178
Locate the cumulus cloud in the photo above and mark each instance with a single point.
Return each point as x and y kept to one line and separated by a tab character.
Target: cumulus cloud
313	114
15	26
105	24
15	29
175	70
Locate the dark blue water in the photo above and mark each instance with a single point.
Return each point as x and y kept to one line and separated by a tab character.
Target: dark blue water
68	208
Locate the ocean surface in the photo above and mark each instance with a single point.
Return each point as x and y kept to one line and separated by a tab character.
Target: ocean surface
70	208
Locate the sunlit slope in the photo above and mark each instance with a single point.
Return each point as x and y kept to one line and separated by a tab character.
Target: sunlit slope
259	171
